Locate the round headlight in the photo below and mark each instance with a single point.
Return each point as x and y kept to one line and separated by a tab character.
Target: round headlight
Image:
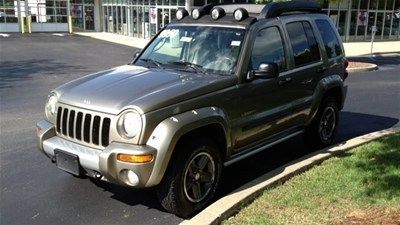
50	109
240	14
181	13
217	13
131	124
196	14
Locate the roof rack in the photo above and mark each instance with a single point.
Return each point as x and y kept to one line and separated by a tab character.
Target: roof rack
277	8
269	10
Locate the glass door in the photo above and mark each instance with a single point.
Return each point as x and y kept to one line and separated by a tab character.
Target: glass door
89	17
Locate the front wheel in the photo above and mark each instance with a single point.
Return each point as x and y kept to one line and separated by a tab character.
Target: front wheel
192	179
322	130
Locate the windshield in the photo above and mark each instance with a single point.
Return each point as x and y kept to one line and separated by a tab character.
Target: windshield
203	49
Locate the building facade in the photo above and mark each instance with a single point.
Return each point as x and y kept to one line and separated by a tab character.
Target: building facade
354	19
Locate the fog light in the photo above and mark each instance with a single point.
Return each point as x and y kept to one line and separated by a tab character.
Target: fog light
131	178
240	14
181	13
196	14
134	158
217	13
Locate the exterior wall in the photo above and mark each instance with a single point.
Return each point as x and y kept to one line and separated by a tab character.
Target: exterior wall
354	19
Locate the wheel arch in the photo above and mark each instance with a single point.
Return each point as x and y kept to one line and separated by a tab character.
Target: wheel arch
210	121
328	86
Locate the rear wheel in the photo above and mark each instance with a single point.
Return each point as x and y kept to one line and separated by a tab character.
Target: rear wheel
192	178
322	130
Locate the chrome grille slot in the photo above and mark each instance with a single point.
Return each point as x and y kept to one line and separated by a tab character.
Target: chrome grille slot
71	123
96	130
64	121
105	132
89	128
78	126
86	128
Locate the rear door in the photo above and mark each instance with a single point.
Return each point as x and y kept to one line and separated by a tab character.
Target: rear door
307	66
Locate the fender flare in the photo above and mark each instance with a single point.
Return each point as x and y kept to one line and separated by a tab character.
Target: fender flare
167	133
323	86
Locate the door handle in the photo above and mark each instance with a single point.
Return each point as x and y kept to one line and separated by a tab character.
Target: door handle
321	69
284	80
306	82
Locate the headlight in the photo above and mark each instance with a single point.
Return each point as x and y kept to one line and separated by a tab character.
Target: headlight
130	124
50	109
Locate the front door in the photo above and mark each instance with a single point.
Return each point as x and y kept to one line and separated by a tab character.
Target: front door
265	105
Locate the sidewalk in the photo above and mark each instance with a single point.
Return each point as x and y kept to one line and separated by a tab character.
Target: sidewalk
116	38
351	48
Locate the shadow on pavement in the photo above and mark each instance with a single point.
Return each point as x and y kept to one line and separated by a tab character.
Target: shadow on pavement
236	175
14	71
351	125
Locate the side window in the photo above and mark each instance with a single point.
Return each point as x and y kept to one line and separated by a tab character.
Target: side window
330	39
304	45
268	47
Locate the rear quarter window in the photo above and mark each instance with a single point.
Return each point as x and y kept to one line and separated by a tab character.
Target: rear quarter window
331	42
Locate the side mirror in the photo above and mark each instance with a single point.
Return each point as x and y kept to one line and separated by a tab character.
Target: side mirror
265	71
136	54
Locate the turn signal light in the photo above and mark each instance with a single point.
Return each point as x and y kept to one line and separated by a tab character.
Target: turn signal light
37	130
134	158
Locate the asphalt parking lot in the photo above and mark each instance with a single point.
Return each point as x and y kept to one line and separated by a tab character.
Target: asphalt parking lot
34	191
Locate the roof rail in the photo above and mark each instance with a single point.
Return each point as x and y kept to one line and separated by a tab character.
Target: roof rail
277	8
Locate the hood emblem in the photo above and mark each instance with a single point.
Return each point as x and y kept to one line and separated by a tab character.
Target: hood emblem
86	101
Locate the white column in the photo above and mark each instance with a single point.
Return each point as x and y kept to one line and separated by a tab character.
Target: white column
97	15
189	5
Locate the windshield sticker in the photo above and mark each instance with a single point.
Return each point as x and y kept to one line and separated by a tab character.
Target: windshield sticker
235	43
169	33
186	39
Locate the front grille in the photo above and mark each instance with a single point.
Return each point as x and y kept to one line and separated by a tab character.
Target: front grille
83	126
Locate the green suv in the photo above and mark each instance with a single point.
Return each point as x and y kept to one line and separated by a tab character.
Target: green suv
210	89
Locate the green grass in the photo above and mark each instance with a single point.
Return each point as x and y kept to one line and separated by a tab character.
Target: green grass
361	186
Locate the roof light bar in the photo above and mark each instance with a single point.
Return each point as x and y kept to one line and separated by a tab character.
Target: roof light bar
217	13
196	14
240	14
181	13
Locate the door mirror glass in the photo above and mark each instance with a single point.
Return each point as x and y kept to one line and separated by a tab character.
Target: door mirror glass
265	71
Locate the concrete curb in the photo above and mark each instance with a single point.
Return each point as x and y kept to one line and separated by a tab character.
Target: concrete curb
233	202
363	69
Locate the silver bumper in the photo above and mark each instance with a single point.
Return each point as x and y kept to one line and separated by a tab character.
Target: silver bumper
99	162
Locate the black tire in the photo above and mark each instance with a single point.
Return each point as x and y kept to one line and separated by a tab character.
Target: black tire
176	192
315	136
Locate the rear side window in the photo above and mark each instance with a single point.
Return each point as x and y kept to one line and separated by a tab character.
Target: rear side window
268	47
330	39
304	45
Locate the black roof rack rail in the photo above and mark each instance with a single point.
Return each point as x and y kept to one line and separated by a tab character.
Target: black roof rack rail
277	8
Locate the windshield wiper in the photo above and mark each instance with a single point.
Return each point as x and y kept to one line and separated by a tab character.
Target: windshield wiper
198	68
158	64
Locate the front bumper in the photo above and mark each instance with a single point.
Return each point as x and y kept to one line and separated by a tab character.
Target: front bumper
99	163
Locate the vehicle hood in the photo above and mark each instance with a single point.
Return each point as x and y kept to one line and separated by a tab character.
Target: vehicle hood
131	86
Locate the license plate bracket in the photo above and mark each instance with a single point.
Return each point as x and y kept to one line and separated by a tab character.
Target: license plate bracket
68	162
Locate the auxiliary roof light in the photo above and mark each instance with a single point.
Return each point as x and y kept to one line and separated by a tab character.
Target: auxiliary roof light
196	14
217	13
240	14
181	13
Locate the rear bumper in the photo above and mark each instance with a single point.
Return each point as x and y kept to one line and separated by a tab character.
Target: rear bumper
99	163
